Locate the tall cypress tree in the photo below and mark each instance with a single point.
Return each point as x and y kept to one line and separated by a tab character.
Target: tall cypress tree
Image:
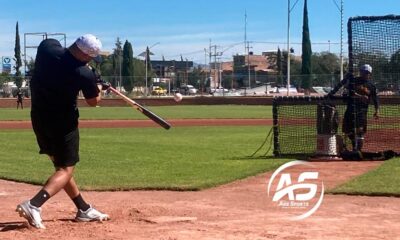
17	55
148	59
279	65
306	53
127	66
149	67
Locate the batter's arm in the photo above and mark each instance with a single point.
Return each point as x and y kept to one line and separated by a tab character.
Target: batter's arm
93	101
340	85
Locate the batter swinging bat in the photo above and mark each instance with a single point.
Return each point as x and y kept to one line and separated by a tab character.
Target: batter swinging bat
142	109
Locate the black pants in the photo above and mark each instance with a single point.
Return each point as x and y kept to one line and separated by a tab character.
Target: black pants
355	127
19	102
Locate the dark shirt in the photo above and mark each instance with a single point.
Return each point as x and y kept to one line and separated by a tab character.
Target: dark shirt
57	79
19	96
360	92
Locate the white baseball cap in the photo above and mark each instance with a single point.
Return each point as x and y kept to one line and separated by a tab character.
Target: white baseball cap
89	45
366	68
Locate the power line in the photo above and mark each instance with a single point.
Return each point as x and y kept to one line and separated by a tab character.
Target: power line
230	46
185	54
299	43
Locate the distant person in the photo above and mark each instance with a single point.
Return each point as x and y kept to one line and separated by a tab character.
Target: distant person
20	97
361	91
60	73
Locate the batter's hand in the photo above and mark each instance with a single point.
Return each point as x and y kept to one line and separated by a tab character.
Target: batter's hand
101	84
105	85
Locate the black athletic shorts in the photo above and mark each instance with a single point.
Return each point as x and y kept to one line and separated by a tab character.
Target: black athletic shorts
360	121
55	141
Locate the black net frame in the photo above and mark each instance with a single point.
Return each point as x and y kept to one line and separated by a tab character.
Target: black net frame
375	40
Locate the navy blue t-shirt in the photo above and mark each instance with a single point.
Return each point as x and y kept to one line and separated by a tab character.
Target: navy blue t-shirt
57	79
358	97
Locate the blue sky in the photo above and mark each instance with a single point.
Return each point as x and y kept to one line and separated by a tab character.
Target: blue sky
184	27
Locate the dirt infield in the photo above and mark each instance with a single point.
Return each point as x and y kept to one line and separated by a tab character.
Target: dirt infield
239	210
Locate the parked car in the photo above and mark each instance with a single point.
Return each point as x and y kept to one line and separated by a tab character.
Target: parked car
219	90
188	90
159	91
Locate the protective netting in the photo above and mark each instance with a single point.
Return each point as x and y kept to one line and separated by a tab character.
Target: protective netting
376	41
297	124
297	120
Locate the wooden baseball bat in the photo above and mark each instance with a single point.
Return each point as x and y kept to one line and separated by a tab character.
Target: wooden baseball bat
142	109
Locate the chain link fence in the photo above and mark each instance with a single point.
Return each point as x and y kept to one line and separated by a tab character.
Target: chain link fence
225	85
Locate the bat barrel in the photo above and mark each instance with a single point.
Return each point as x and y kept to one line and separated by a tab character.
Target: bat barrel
143	110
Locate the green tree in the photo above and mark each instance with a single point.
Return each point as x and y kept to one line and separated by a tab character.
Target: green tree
17	55
325	63
306	52
127	67
295	68
325	68
117	61
395	62
279	61
107	70
30	65
279	65
150	73
4	78
139	70
394	71
196	76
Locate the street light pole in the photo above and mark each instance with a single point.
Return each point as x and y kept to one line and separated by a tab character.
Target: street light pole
120	68
288	50
145	59
341	39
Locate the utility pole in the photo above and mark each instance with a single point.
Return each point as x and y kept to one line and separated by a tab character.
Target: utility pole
290	8
329	46
146	54
245	30
341	34
215	64
247	47
214	53
288	49
219	69
209	61
205	72
186	72
248	62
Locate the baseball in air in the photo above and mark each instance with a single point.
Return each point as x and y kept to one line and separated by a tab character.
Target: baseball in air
178	97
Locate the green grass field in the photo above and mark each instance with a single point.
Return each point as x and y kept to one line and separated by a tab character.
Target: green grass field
149	158
383	181
184	158
168	112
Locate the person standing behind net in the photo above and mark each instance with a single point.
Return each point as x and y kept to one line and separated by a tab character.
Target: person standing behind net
60	73
361	91
20	98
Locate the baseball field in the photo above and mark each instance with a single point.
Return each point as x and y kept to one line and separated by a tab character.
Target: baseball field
194	181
